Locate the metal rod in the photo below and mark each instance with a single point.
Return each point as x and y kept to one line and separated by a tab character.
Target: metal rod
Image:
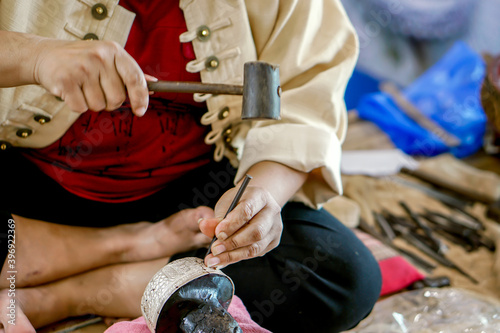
231	207
195	87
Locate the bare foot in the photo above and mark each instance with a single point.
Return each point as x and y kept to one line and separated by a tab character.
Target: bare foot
15	321
13	306
175	234
49	252
111	291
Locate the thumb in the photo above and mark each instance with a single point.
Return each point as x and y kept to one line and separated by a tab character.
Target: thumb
207	226
224	202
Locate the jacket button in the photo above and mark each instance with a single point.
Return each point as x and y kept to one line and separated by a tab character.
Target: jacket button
90	36
42	119
4	145
24	132
203	33
99	11
224	113
211	63
226	134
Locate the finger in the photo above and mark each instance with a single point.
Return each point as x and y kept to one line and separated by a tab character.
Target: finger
255	249
74	99
230	257
193	216
93	93
135	82
150	78
251	203
224	202
112	86
258	229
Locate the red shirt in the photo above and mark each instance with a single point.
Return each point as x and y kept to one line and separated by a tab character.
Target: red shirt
117	157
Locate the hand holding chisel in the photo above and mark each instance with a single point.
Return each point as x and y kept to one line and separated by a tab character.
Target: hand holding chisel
231	207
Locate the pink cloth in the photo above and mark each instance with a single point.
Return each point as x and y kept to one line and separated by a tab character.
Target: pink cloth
236	309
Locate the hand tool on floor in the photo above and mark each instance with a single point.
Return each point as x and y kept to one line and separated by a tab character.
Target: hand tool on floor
473	234
428	282
458	205
424	264
384	225
455	233
261	90
458	221
393	219
436	244
233	204
405	233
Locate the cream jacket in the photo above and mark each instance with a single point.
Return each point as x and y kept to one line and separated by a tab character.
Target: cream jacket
312	41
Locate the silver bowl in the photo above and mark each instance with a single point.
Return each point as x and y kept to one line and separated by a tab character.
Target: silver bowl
181	286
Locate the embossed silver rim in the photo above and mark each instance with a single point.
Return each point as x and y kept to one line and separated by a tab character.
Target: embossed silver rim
167	281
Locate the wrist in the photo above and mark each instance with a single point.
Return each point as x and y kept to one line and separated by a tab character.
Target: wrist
281	181
29	48
40	47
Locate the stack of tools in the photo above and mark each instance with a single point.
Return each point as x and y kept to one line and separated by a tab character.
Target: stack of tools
443	217
427	231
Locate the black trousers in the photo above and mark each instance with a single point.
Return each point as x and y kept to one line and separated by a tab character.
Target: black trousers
320	278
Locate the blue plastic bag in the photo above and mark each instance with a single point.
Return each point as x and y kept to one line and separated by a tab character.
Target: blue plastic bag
449	94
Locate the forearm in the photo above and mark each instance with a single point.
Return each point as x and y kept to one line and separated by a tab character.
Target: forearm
18	54
281	181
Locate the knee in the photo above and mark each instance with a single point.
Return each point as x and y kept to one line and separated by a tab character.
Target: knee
321	278
360	285
337	280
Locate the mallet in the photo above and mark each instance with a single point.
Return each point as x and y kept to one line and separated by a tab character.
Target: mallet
261	90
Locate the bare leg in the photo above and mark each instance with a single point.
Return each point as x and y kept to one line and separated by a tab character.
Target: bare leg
47	252
112	291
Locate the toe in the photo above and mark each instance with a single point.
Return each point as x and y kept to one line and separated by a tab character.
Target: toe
203	212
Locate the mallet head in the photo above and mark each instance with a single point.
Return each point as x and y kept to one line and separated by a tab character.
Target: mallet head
261	91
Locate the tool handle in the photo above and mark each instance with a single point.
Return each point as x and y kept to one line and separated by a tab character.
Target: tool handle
410	110
195	87
384	225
